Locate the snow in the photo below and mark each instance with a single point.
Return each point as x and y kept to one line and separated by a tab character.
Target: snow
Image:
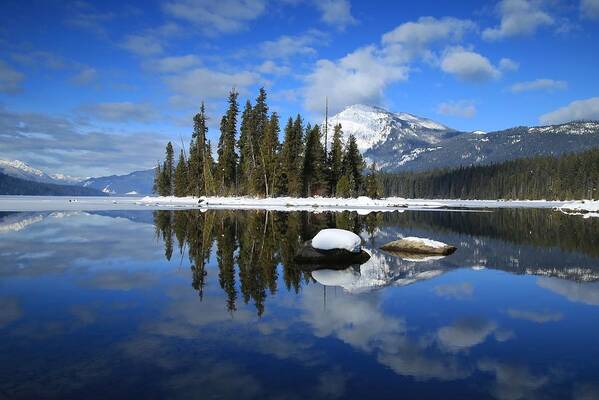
426	242
587	208
19	169
330	239
132	193
313	204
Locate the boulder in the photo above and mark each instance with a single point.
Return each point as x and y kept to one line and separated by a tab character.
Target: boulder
416	245
314	258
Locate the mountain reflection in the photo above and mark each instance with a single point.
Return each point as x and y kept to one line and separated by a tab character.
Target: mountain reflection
250	246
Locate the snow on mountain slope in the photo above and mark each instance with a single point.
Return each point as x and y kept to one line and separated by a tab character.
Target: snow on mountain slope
19	169
374	126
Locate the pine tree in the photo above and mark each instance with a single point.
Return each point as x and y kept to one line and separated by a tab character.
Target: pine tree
374	188
156	187
247	158
181	185
165	181
259	124
335	159
343	189
313	169
353	165
197	149
291	158
227	157
269	149
207	170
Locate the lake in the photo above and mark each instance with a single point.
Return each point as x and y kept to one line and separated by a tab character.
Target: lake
210	304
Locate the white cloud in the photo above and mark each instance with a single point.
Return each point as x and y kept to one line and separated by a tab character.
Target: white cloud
272	68
359	77
174	64
10	79
215	17
203	83
507	64
587	293
412	39
461	108
85	76
468	66
150	42
120	111
589	9
587	109
142	45
512	382
287	46
518	18
467	333
336	12
549	85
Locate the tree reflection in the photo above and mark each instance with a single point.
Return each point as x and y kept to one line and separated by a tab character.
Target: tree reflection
249	246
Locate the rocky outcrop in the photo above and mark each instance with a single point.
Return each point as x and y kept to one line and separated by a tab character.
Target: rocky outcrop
415	245
312	258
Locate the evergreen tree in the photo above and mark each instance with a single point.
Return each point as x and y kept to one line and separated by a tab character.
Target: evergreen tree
343	188
227	157
353	165
247	157
313	170
197	150
335	159
374	188
259	124
168	170
181	185
291	158
207	168
156	187
269	149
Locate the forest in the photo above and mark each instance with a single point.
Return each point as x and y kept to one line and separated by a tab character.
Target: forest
254	162
570	176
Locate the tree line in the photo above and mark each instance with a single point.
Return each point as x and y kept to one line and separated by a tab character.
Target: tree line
570	176
251	160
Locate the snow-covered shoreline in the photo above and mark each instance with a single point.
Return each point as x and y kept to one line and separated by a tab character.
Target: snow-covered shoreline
316	204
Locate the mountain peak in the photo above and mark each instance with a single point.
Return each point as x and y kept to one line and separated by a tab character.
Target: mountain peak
373	126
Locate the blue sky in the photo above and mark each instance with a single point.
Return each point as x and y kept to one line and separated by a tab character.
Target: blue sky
93	88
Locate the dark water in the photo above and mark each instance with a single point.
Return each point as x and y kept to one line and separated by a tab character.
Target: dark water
210	305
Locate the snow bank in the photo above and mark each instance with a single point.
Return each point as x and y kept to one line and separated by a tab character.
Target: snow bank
583	206
329	239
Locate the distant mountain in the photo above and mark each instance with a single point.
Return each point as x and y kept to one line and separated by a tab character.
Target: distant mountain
9	185
18	169
135	183
405	142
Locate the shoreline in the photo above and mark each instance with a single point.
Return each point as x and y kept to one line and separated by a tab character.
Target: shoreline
315	204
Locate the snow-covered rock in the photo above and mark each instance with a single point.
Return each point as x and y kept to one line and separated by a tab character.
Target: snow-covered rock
329	239
419	245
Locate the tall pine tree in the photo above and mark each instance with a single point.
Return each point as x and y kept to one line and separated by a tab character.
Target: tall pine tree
335	159
269	149
353	165
313	169
227	157
181	185
197	150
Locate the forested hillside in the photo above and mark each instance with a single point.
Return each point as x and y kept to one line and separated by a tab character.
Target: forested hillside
572	176
15	186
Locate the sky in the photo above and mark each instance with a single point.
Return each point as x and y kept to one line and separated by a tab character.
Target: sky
96	88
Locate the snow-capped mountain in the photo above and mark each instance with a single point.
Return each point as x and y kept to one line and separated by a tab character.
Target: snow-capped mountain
133	184
18	169
405	142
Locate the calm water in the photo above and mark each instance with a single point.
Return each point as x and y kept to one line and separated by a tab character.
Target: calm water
210	305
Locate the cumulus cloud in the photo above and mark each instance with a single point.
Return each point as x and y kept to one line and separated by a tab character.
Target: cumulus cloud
587	109
58	144
216	17
468	66
549	85
412	39
10	79
120	111
336	12
460	108
359	77
204	83
174	63
287	46
589	9
518	18
535	316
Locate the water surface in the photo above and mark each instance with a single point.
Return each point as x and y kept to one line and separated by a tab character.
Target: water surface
191	304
